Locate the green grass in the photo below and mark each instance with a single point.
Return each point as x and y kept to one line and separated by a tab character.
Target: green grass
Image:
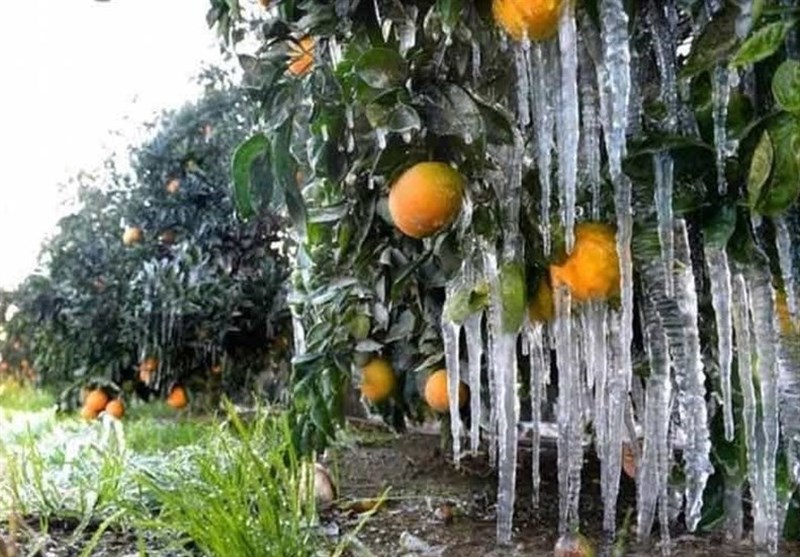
220	487
14	396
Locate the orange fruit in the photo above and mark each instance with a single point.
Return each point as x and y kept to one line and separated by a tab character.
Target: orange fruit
173	186
628	462
540	308
426	198
378	380
592	269
301	56
147	368
96	400
538	19
116	408
216	370
88	413
264	3
132	235
177	398
436	392
167	237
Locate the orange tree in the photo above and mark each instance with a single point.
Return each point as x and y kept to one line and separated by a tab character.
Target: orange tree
152	266
355	93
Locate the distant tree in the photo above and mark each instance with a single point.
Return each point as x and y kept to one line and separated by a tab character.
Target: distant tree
153	279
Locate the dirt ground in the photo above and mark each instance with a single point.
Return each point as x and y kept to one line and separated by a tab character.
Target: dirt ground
454	511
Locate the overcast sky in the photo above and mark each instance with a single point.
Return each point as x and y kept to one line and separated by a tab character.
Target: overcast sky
72	71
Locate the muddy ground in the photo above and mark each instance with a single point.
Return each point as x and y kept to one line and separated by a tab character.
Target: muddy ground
428	502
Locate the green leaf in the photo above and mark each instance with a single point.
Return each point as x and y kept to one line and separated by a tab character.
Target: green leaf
451	111
763	43
720	227
760	169
786	86
715	43
451	12
783	187
382	68
513	295
244	157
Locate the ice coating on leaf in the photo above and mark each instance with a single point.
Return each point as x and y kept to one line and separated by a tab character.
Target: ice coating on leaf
568	121
720	97
765	504
719	277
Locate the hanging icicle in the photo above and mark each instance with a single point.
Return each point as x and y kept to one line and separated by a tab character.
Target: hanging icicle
719	276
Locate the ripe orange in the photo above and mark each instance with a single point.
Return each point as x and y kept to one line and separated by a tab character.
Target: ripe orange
378	380
436	392
132	235
177	398
216	370
592	269
301	56
540	308
116	408
426	198
88	413
96	400
538	19
167	237
147	368
173	186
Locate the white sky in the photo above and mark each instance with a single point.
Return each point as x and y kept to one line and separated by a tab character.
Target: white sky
72	71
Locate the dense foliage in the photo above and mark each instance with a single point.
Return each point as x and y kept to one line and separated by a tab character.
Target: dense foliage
352	93
198	290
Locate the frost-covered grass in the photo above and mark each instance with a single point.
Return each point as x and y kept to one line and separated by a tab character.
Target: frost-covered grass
223	487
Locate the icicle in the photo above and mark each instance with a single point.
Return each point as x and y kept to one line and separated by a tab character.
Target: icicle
615	86
451	339
762	309
568	120
570	447
663	31
654	469
720	95
474	336
539	365
744	356
691	383
543	70
665	179
594	316
476	62
523	89
590	128
734	514
719	275
783	244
